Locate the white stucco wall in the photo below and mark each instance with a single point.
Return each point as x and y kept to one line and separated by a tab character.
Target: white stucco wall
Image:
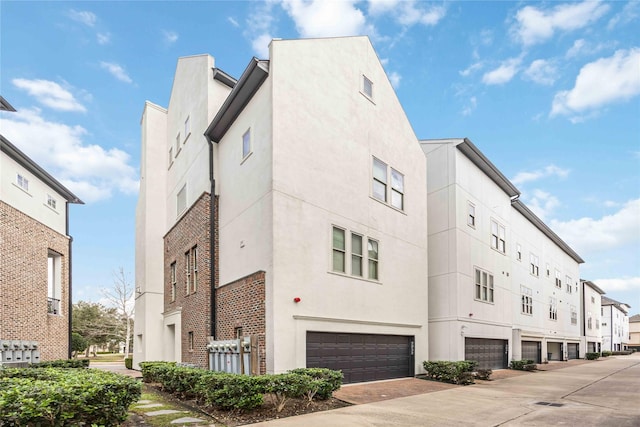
592	308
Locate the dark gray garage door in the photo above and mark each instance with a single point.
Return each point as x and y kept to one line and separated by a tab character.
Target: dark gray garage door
490	354
531	350
361	357
573	351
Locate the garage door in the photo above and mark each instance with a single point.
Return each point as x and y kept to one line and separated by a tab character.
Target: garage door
573	351
361	357
531	350
490	354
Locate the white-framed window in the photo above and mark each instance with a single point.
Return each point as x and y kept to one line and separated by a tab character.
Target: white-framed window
589	321
22	182
558	280
593	299
569	285
535	264
181	199
527	300
187	272
471	215
51	201
348	254
246	143
553	308
178	144
518	252
498	236
383	174
574	315
194	269
367	87
597	323
54	283
483	285
187	128
172	279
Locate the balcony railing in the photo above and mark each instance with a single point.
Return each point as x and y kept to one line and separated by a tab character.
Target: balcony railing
53	306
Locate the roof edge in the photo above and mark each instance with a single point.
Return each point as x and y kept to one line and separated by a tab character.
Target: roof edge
593	286
5	106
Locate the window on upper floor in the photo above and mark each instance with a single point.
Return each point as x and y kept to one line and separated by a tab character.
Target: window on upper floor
558	280
194	269
527	300
170	156
574	315
589	321
498	236
471	215
569	285
22	182
178	144
597	323
553	308
172	280
187	272
54	282
593	299
535	264
51	201
181	200
383	175
518	252
348	254
548	271
190	340
246	144
187	128
367	87
483	285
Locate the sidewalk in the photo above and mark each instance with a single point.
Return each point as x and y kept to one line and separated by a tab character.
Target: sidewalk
605	392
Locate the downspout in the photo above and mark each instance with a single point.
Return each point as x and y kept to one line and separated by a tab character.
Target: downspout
69	351
212	240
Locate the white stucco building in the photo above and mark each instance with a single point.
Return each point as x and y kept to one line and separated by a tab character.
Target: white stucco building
590	316
615	325
502	285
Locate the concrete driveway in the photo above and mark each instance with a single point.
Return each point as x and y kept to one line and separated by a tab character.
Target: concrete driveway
606	392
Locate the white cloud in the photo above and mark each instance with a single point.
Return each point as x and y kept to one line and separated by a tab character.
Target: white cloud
542	72
116	71
170	37
577	47
103	38
470	107
379	7
258	28
407	12
83	16
233	22
529	176
471	69
611	231
581	47
535	25
628	14
542	203
504	73
395	78
619	284
318	18
50	94
611	204
601	82
260	45
90	171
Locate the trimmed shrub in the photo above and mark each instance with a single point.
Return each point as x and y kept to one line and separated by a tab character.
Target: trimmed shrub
283	387
128	362
62	363
606	353
328	381
483	374
592	356
231	391
621	353
459	372
151	370
523	365
65	397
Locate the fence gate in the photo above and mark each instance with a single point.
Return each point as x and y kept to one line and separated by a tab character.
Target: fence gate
238	356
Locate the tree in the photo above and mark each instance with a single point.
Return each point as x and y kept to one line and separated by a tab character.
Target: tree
78	343
121	297
95	323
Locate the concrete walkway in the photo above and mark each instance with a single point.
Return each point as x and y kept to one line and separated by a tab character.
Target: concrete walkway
606	392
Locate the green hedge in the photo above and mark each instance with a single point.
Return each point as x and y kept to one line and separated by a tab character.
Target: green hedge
62	363
606	353
592	356
65	397
128	362
242	392
524	365
460	372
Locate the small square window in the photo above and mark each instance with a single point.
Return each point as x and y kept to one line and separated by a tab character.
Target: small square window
367	87
51	202
22	182
246	143
471	215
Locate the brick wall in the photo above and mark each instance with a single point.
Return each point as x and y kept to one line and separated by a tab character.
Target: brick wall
24	248
191	231
241	304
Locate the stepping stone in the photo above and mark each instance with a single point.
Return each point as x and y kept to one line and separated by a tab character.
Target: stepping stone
162	412
149	405
187	420
143	401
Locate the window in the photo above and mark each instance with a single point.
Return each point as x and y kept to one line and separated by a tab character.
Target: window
519	252
178	144
527	300
187	129
356	255
373	259
246	143
54	282
22	182
558	280
553	309
471	215
51	202
170	156
367	87
569	286
348	254
194	267
548	271
339	250
190	340
172	278
187	272
181	199
574	315
498	237
535	269
593	299
589	322
382	174
484	285
237	332
597	323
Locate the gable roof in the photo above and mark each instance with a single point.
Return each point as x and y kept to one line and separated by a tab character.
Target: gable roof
619	305
593	286
634	318
5	106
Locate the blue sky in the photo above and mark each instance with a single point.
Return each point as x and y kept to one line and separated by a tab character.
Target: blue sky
549	91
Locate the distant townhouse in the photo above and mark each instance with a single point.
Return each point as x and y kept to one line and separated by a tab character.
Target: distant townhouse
634	332
288	205
590	315
35	246
502	285
615	325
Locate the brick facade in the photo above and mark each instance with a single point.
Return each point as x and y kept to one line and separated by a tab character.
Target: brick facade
24	248
241	304
191	231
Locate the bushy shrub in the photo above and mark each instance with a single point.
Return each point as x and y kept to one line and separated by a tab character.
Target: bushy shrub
483	374
460	372
328	380
606	353
128	362
62	363
231	391
152	370
523	365
592	356
621	353
65	397
283	387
